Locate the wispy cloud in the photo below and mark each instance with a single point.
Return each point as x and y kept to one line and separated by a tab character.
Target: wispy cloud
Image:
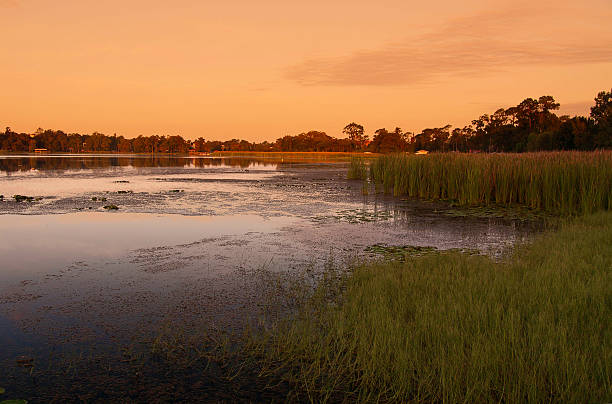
467	46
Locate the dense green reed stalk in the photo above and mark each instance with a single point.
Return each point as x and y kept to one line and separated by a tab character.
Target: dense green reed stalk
448	327
567	183
358	169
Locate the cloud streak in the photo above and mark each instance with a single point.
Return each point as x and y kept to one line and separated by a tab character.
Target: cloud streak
469	46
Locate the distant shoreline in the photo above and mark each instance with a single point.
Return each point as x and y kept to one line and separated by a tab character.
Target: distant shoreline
196	154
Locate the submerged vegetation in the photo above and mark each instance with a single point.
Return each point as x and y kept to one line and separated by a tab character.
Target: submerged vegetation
454	327
566	183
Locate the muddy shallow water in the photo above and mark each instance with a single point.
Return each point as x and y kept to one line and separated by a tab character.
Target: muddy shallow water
195	242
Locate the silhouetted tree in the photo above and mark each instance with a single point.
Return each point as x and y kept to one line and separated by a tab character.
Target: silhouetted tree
356	134
601	113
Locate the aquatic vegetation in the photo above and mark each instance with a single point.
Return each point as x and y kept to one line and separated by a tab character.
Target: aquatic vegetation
95	198
565	183
358	169
111	207
454	327
176	190
402	253
354	216
399	252
125	192
121	182
499	212
23	198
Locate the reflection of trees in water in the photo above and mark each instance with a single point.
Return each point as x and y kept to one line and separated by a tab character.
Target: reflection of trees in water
97	162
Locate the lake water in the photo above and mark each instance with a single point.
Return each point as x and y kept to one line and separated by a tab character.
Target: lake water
195	241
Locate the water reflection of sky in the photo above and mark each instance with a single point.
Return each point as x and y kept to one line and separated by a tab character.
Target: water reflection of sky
138	180
36	244
19	165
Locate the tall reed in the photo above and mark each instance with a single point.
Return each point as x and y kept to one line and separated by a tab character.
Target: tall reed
567	183
358	169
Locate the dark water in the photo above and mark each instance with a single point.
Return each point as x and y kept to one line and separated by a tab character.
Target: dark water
196	243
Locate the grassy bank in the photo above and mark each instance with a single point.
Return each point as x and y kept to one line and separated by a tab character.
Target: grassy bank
566	183
449	327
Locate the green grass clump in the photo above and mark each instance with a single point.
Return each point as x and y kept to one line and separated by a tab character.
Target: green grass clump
566	183
452	327
358	169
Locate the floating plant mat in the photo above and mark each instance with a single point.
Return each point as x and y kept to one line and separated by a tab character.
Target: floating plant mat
497	212
356	216
400	253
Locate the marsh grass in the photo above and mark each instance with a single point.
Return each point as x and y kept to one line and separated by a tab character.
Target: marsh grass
453	327
358	169
564	183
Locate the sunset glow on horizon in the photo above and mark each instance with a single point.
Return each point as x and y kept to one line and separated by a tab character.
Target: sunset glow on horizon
261	70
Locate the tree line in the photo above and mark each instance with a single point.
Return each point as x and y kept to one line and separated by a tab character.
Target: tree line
531	125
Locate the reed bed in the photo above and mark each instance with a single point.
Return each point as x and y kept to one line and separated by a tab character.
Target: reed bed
565	183
457	328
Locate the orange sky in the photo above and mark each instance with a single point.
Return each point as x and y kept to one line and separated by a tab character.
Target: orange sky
258	70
